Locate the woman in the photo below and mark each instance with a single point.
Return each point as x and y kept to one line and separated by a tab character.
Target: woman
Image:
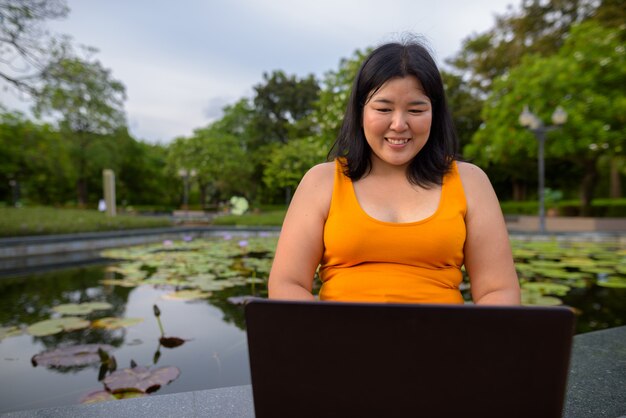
395	216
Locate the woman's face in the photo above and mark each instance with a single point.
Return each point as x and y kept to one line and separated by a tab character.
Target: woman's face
396	121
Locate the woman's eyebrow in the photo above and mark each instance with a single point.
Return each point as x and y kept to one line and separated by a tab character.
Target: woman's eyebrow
413	103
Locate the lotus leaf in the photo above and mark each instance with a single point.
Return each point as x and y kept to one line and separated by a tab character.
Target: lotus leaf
544	288
115	323
120	282
531	298
81	308
187	295
140	379
71	356
6	332
552	273
523	253
597	270
545	264
54	326
577	262
103	395
614	282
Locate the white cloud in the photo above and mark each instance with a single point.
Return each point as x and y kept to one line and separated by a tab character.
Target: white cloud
181	62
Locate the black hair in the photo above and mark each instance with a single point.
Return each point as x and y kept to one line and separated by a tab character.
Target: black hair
388	61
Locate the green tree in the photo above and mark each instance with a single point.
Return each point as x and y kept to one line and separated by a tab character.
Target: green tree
218	160
35	163
334	95
25	44
586	77
88	102
538	27
288	163
282	105
465	106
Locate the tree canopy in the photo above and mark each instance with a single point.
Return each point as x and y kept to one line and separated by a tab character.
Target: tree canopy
586	77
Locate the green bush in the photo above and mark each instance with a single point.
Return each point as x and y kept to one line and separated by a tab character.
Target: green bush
602	208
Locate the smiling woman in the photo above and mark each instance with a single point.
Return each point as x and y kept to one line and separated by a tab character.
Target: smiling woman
396	215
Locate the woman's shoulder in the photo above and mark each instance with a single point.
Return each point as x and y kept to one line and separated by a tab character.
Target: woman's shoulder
315	189
320	174
319	179
478	189
471	173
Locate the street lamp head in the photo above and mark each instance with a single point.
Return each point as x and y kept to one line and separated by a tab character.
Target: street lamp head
559	117
528	119
182	172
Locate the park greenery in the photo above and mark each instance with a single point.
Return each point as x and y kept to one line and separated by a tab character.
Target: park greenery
541	54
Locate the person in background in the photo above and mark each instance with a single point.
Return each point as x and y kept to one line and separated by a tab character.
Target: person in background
396	214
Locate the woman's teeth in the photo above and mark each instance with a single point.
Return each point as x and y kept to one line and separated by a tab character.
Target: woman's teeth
397	141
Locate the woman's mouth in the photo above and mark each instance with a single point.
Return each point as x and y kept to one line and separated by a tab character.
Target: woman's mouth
397	141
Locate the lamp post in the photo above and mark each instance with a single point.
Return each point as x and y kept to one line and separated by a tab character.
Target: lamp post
532	122
186	175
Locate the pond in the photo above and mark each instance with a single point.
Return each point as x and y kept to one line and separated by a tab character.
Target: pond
198	340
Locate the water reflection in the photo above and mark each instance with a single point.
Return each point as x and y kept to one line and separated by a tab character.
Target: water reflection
214	354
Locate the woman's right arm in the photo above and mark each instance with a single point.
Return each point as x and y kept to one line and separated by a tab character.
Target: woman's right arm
301	243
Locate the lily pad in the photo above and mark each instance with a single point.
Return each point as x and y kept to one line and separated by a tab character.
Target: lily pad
71	356
115	323
187	295
103	396
140	379
54	326
544	288
81	308
614	282
120	282
536	299
6	332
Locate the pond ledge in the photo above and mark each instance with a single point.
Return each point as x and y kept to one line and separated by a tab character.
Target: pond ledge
595	389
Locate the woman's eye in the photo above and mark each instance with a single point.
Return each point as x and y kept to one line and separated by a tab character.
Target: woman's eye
384	109
415	111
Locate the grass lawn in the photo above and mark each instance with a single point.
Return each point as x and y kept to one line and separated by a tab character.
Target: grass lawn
272	217
45	221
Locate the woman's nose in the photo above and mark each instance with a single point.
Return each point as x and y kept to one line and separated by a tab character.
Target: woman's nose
398	122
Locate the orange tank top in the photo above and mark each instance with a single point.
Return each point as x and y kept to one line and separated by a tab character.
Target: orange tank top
368	260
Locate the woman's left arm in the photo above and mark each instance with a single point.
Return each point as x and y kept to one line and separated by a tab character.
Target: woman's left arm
488	256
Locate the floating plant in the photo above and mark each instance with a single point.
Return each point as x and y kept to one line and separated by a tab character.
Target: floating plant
71	356
115	323
81	308
55	326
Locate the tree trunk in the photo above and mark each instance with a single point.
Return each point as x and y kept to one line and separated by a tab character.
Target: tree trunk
587	186
81	191
519	190
616	178
202	187
81	183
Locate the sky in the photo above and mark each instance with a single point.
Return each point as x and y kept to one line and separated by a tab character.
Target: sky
183	61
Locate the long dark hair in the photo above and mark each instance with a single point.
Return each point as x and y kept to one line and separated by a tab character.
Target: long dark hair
388	61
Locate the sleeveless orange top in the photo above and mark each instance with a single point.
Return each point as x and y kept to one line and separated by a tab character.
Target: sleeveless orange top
368	260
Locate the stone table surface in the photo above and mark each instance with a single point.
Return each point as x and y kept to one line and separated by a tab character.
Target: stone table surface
596	388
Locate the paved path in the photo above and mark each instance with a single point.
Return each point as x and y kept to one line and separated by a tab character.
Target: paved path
564	224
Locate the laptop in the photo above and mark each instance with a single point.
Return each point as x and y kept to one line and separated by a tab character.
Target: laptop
329	359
